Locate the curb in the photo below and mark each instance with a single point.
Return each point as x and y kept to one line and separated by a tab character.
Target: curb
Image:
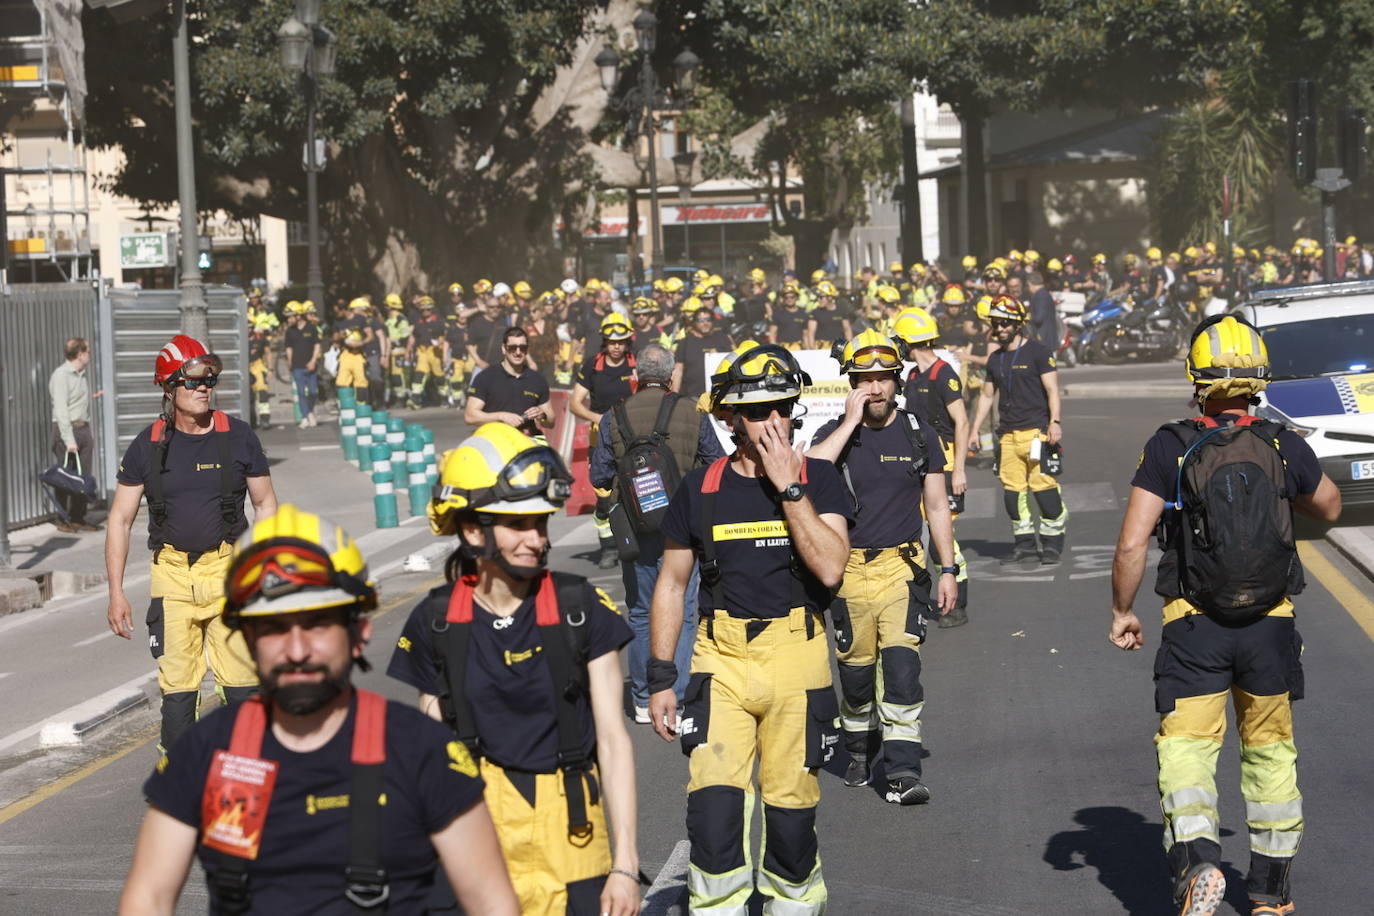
1087	390
73	725
1356	545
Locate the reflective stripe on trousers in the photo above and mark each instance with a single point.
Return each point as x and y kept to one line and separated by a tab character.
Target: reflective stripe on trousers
759	690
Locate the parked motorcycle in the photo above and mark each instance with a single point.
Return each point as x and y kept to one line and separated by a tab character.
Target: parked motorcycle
1154	330
1085	327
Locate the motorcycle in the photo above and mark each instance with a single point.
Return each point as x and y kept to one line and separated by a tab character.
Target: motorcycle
1153	330
1085	327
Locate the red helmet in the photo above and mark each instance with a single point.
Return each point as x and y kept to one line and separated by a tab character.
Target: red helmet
185	357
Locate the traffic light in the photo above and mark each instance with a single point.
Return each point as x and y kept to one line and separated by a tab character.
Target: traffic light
1350	137
1302	130
204	261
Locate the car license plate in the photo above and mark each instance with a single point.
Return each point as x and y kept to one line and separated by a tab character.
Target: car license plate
1362	470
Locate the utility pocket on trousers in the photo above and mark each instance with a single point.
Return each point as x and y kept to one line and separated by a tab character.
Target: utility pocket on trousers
839	619
822	726
696	712
918	603
156	640
1296	682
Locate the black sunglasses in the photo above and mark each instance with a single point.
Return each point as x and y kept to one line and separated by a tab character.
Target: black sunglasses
764	410
1004	323
191	384
517	348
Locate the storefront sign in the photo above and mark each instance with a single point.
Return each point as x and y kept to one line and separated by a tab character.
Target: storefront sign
683	214
146	249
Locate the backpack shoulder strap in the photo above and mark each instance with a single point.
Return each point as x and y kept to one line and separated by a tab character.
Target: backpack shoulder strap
229	887
452	630
665	415
250	724
228	509
157	503
622	420
710	566
912	427
559	603
365	879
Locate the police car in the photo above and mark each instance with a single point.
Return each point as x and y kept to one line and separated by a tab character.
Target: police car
1320	340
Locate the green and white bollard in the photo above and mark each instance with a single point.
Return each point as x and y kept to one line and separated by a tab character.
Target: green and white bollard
396	439
415	470
384	488
348	429
364	426
431	458
379	421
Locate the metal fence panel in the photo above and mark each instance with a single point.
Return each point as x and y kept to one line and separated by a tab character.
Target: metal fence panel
138	323
36	320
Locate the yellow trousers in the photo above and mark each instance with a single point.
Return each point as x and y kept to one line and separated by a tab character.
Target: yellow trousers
352	370
553	873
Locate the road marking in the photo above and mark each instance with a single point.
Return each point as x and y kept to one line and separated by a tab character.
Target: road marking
5	674
1356	604
14	809
670	886
91	639
316	448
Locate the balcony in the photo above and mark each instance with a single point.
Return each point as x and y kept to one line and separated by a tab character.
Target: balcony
941	128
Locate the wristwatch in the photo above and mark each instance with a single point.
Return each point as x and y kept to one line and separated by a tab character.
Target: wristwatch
949	570
791	493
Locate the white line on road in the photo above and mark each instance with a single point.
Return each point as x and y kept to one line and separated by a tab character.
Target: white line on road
92	639
669	886
316	448
5	674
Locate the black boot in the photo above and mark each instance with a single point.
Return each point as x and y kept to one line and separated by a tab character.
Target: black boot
1023	549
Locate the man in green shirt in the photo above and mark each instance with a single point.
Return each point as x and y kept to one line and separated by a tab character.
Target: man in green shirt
71	427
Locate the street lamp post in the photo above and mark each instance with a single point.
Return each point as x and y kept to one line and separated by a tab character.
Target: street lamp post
640	102
310	49
682	168
195	320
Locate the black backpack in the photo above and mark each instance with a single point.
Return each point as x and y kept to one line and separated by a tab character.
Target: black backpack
647	473
1234	531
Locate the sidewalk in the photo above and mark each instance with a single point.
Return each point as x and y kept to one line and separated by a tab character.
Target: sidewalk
1356	543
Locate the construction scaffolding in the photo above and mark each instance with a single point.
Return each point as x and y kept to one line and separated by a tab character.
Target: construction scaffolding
47	192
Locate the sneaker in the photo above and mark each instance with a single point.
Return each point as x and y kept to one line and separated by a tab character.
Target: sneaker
1049	556
64	527
1260	908
907	790
641	715
1202	891
304	424
955	618
858	773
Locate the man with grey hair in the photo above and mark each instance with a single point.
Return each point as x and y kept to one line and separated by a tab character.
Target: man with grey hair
71	427
691	440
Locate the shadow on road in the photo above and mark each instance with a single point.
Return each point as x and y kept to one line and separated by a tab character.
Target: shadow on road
1126	851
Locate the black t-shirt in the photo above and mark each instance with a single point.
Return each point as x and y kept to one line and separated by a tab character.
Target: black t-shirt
1157	473
1021	399
457	335
927	397
751	537
481	331
301	342
191	483
608	386
829	325
690	352
374	348
887	490
590	329
751	309
512	704
953	327
352	322
428	331
305	840
791	324
499	390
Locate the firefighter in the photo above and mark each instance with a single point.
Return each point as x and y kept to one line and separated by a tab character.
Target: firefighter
934	393
524	665
261	324
167	463
892	463
604	380
398	330
770	528
1025	383
425	350
789	320
1204	659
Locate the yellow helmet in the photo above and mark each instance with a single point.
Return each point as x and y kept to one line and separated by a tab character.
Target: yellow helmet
1229	357
393	301
970	262
1013	255
954	294
706	289
615	327
870	352
1192	252
1099	258
757	275
790	288
1173	256
1131	258
359	302
1237	251
1153	254
642	305
690	305
1008	307
354	338
1054	264
914	325
1210	247
294	561
658	285
551	297
455	289
701	274
426	302
888	295
499	470
1031	256
984	308
1349	240
895	267
673	285
482	287
917	269
755	374
308	306
522	290
994	272
819	274
826	288
292	307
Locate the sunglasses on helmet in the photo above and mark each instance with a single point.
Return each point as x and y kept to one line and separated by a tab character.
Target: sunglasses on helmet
284	566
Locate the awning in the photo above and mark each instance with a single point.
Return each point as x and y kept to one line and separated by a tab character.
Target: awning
1125	140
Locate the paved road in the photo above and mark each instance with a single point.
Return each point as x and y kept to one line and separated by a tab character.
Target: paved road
1038	733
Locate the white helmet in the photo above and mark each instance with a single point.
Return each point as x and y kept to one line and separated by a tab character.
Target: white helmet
500	289
569	286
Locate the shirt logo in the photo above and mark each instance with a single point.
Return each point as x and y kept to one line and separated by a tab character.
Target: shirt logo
314	804
739	531
207	467
500	623
460	760
954	382
606	600
882	458
404	644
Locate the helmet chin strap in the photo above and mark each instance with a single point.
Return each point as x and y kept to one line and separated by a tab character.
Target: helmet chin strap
488	551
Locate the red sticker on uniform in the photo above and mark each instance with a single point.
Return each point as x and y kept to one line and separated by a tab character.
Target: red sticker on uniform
233	809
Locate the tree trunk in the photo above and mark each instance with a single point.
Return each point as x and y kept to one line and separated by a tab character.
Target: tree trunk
975	181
